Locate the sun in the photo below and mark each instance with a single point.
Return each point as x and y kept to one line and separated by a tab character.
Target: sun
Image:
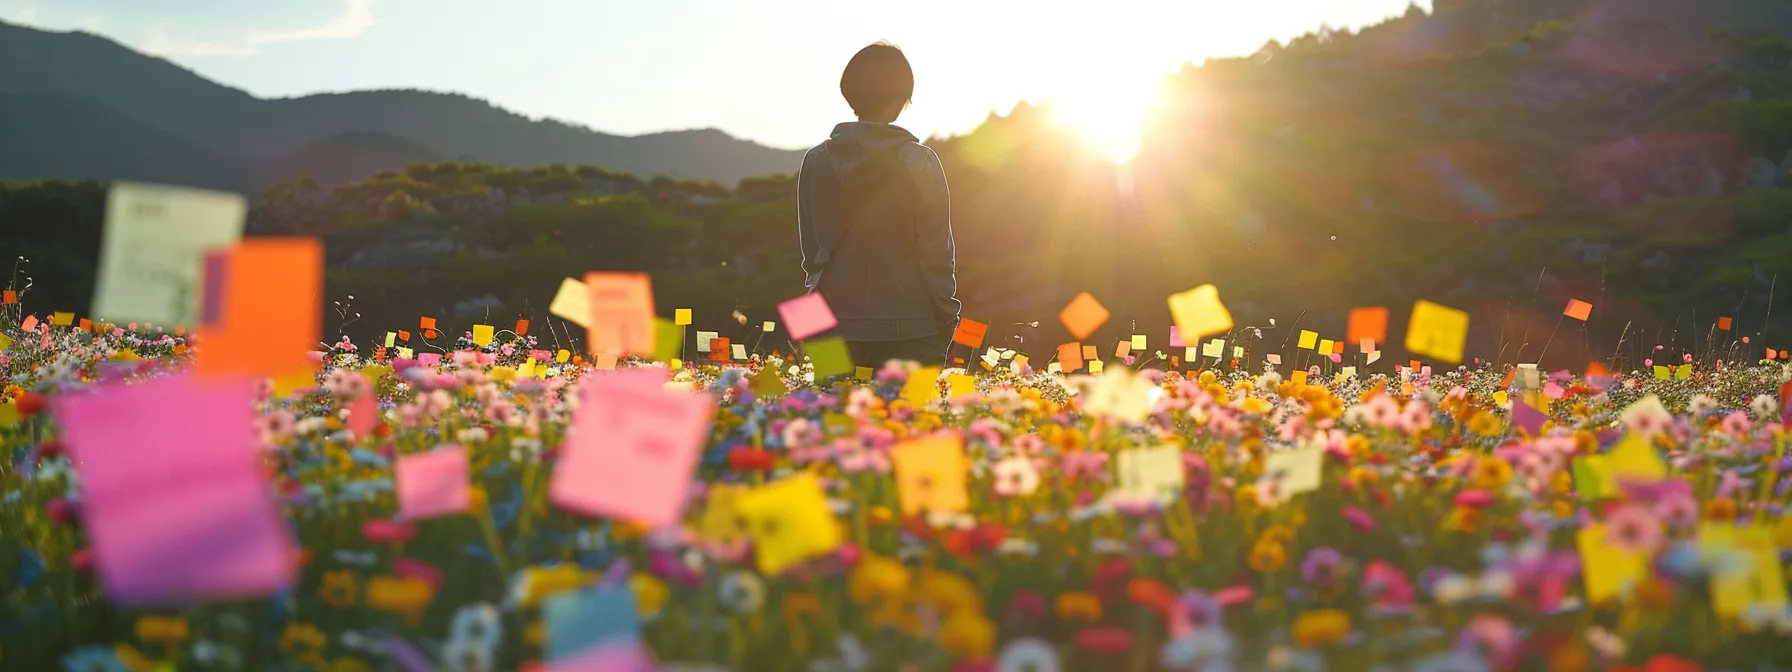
1108	115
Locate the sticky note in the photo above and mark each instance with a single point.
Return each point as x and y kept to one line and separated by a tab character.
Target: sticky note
407	353
931	474
432	483
958	385
632	451
1633	459
1296	470
1083	316
176	507
364	409
572	303
1589	480
806	315
829	356
1367	326
768	383
482	334
153	248
1273	359
1437	331
62	319
1155	472
621	313
272	312
970	333
9	297
739	350
1176	337
561	356
1238	352
862	372
1578	309
1723	323
1199	313
681	316
1090	352
1297	377
720	349
30	323
1120	395
1756	580
1607	570
5	342
1215	348
768	327
404	335
1348	373
426	323
721	521
704	338
790	522
1528	418
1070	356
668	339
1191	353
1373	357
922	387
581	620
1122	349
522	328
1138	342
1683	372
1325	346
1662	372
1095	366
391	339
1308	340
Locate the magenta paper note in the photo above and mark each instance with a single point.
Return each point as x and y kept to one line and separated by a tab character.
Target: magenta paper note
364	411
620	655
432	484
177	508
631	452
806	316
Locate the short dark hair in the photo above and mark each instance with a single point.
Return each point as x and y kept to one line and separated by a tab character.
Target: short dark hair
877	79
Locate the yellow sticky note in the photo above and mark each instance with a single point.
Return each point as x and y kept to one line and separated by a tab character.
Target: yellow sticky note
5	342
961	384
1757	578
1238	352
1298	377
1191	353
790	522
1297	470
721	522
1633	459
931	474
923	386
1150	472
768	327
862	373
572	302
1094	366
1138	342
62	319
526	369
1325	346
1684	372
681	317
293	382
1607	570
9	414
1348	373
1054	367
1308	339
668	339
1198	313
1661	372
1215	348
561	356
407	353
391	339
482	335
1436	331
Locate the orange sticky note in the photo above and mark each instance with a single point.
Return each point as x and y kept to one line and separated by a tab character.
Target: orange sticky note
1337	347
86	325
1089	352
621	313
970	332
931	474
1083	316
719	350
522	328
1578	309
271	308
1368	325
1070	356
404	336
9	297
1723	323
427	323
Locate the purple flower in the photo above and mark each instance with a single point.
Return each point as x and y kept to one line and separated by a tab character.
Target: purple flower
1322	568
1359	519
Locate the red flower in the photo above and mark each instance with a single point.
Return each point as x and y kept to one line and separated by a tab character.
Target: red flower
1107	640
49	449
60	510
31	404
81	561
387	531
751	459
918	528
958	542
988	537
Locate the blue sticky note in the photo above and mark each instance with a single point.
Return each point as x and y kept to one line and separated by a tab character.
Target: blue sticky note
585	619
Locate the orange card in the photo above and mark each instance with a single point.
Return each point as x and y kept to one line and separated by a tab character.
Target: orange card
720	350
970	332
1722	322
270	309
1578	309
10	297
404	336
621	313
1370	323
426	323
1083	316
522	328
1070	357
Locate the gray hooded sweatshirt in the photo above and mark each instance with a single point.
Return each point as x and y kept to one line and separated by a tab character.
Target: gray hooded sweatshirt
875	221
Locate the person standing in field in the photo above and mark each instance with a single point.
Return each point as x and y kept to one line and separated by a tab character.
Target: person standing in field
875	221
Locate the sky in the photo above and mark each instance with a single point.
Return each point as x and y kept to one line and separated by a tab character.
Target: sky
765	70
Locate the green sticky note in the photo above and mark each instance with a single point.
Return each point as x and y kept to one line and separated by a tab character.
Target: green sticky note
668	339
830	356
767	383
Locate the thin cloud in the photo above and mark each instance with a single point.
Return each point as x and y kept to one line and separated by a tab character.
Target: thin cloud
355	18
158	43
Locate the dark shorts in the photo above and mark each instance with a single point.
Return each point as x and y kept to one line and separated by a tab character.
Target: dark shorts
928	350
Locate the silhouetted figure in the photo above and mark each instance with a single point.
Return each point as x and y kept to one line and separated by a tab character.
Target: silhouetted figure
875	219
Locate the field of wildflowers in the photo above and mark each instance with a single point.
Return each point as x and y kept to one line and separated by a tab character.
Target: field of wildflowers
1231	518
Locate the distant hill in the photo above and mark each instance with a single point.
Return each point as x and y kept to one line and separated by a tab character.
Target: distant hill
151	96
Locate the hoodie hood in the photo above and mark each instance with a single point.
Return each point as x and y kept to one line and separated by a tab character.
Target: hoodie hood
857	149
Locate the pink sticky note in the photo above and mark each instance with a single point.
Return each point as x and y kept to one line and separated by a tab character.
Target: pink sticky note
620	655
631	451
177	509
432	484
429	360
1553	391
1176	337
364	411
30	323
1273	359
806	316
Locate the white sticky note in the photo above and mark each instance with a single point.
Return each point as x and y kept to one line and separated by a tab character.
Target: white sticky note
152	252
703	339
769	326
572	302
1374	357
739	351
1150	472
1298	470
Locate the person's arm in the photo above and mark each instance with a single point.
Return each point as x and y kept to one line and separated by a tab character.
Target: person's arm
939	263
808	238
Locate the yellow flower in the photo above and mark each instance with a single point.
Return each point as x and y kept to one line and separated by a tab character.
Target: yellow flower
347	664
1268	556
502	375
477	499
338	589
303	642
1561	482
1720	509
1255	406
947	592
1322	627
1465	519
542	582
132	660
967	635
800	606
651	594
897	615
164	630
1484	423
875	579
1280	534
1491	472
1562	508
409	596
535	633
880	515
1078	605
1207	378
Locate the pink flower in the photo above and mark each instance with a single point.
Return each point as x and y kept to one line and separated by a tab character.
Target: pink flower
387	531
1677	509
1474	498
1633	528
1359	519
1381	411
1390	588
1415	418
1029	444
1737	424
1086	464
408	568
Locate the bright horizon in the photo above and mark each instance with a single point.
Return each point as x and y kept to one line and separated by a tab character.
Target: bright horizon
766	71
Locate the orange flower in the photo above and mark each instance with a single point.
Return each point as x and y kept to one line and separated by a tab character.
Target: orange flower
1151	594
